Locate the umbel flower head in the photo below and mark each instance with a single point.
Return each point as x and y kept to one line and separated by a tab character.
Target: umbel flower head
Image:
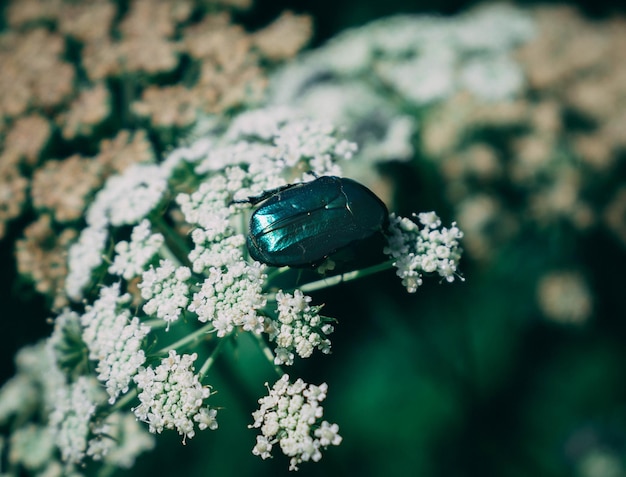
290	415
161	278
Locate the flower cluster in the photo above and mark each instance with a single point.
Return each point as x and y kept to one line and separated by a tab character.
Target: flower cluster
125	199
118	439
65	61
131	257
431	249
291	417
357	78
565	297
230	297
71	427
165	290
298	328
114	340
71	418
164	253
172	397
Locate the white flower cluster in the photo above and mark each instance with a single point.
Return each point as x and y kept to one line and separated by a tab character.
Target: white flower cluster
231	293
298	328
36	380
17	393
84	257
172	397
124	200
431	249
220	286
70	412
215	242
208	208
270	142
361	76
166	291
131	257
129	197
118	440
114	340
33	447
70	421
290	416
38	388
429	46
231	296
314	140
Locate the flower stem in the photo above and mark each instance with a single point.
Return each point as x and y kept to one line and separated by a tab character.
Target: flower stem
346	277
274	272
268	354
175	248
125	399
211	359
191	337
106	470
165	252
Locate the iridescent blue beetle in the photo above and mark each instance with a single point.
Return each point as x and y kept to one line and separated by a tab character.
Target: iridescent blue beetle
300	225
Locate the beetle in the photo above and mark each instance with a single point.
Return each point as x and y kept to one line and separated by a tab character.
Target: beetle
300	225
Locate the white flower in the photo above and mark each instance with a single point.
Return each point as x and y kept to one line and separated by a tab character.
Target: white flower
263	447
166	290
267	143
328	434
17	395
427	250
422	59
314	141
493	79
207	207
261	123
70	420
172	397
298	328
193	152
219	253
84	257
429	219
118	439
125	199
492	28
38	364
290	415
230	296
128	197
423	79
131	257
32	446
114	340
206	419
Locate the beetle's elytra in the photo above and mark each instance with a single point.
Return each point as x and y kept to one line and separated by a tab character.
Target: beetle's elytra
302	224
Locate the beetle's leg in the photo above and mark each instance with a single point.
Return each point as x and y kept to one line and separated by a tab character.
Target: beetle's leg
255	199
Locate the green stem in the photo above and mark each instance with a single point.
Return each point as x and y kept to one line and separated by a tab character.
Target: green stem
191	337
155	323
106	470
211	359
269	355
175	248
346	277
125	399
165	252
274	272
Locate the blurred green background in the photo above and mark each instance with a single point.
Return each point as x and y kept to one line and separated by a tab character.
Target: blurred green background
470	379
